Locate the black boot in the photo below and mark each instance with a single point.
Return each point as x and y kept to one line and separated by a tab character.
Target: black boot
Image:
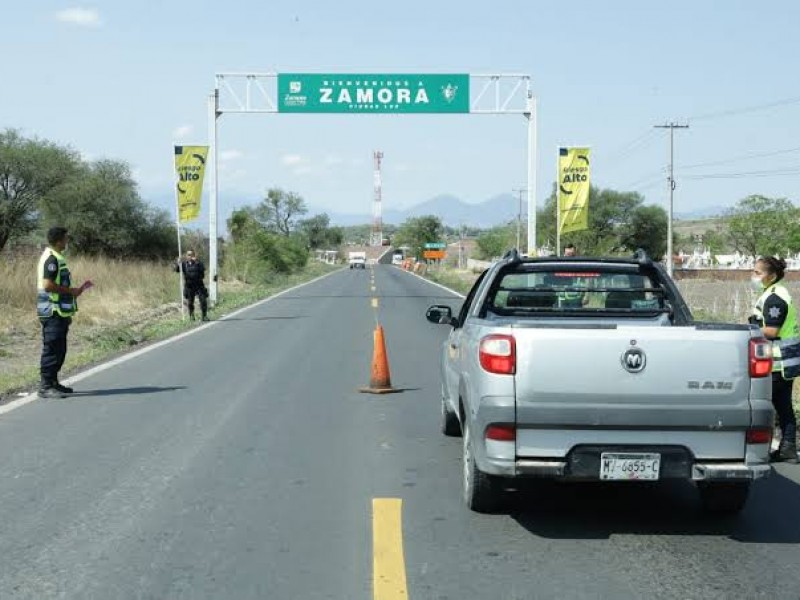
63	388
51	392
786	452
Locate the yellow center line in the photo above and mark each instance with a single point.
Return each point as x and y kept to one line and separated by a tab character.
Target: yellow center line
388	563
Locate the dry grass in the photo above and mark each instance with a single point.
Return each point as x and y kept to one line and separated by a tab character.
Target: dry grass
729	301
131	303
125	295
123	292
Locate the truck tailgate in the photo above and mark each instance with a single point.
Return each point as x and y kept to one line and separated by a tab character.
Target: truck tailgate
573	387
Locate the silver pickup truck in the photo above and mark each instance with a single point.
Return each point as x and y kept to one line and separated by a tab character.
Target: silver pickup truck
594	369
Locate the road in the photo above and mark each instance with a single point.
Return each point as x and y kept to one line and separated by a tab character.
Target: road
241	462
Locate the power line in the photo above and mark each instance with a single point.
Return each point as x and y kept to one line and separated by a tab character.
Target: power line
649	177
639	143
739	111
767	173
738	158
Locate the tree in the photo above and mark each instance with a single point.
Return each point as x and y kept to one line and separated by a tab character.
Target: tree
610	212
760	226
257	253
29	170
319	233
278	212
101	207
647	229
496	241
418	231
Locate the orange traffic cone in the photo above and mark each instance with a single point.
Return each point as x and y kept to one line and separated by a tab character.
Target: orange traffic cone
380	381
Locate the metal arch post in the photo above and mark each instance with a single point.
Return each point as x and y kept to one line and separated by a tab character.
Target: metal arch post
213	205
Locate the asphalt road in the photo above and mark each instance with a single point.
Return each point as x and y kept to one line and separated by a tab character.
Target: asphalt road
241	462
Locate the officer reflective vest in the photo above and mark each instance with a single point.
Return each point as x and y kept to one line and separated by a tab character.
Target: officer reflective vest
786	348
50	303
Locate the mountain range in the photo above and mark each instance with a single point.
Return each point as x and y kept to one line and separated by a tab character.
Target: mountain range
451	210
497	210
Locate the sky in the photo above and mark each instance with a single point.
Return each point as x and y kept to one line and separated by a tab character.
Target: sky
127	80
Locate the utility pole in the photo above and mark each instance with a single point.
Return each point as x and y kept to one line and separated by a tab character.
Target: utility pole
671	181
519	192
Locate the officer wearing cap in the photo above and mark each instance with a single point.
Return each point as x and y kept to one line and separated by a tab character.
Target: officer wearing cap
56	303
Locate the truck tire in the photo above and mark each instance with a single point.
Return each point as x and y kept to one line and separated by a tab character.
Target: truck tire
449	422
725	497
481	491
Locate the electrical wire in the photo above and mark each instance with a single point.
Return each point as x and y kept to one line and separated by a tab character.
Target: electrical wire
767	173
740	111
737	158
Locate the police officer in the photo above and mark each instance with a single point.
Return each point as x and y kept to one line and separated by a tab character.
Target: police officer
55	305
776	315
193	274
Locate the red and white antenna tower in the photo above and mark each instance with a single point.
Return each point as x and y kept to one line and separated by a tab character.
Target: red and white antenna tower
376	239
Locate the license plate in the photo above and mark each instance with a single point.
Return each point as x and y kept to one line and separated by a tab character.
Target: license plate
625	466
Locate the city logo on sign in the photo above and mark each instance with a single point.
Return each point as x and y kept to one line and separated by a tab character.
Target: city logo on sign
634	360
295	87
449	92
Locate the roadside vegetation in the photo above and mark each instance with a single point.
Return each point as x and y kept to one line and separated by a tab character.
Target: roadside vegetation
128	249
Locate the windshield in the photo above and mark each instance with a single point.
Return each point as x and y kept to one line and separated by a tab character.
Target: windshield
583	291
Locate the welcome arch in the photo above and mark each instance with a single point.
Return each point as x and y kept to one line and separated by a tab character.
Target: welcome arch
368	93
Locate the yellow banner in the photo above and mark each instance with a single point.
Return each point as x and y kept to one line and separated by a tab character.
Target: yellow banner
573	189
190	166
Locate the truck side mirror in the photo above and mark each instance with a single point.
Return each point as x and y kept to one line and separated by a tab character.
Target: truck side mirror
440	314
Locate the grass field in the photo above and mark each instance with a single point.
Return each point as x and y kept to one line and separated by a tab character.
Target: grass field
130	304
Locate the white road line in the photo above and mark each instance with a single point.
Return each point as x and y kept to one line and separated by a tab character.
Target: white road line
28	398
436	284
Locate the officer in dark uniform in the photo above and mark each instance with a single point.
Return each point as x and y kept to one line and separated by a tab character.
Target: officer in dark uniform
56	303
193	274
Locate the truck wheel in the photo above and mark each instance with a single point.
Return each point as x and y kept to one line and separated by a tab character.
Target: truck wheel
724	498
481	491
449	422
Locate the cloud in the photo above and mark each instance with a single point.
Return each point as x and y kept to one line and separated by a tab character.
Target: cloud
302	170
292	160
228	155
182	132
82	17
333	161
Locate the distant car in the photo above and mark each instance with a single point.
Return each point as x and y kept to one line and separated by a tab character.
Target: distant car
357	260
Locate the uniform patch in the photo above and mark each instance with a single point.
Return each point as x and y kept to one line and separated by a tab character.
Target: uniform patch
774	312
52	267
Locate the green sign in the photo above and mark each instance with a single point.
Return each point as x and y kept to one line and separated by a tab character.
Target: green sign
373	93
431	245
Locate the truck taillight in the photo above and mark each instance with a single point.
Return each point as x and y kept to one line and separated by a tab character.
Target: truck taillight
760	357
759	435
501	433
498	354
